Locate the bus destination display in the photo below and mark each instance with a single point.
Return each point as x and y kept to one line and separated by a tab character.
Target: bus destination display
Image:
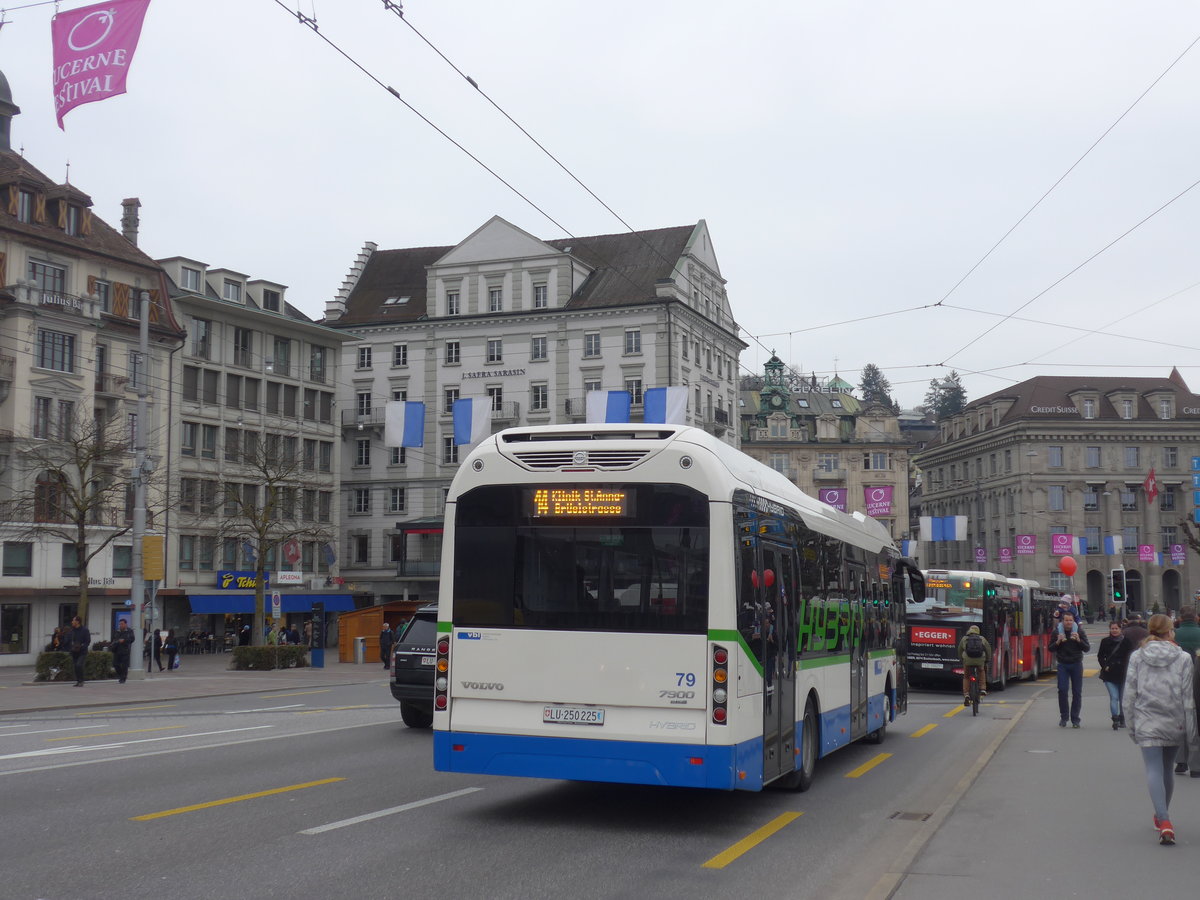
579	502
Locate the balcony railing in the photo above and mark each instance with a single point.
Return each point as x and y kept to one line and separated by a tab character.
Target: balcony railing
509	411
352	418
110	384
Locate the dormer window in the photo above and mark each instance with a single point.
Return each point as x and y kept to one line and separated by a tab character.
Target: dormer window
232	291
189	279
835	403
802	403
396	301
1089	408
1164	408
24	206
72	221
1126	409
271	300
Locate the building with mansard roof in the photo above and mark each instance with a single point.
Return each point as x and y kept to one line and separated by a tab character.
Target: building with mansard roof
851	454
70	287
531	324
1070	455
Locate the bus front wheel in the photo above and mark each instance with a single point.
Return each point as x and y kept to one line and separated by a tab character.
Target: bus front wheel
877	736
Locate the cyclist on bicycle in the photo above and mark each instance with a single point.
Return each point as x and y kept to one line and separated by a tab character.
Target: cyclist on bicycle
975	653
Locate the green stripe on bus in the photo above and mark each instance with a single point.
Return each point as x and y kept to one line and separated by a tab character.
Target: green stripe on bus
720	634
822	661
444	627
878	654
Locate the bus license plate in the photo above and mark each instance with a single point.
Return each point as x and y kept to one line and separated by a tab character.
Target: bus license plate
572	715
931	665
428	660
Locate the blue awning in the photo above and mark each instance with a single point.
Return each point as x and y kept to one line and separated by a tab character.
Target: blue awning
232	602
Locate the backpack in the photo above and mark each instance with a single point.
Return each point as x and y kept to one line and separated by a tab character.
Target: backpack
974	647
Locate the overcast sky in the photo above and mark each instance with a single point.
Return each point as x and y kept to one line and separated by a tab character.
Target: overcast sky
852	160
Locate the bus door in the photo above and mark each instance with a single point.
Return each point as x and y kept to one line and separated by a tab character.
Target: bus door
858	654
777	651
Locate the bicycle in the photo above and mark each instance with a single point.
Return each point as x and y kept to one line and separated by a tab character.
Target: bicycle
974	690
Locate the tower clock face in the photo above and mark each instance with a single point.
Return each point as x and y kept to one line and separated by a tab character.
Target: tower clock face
777	401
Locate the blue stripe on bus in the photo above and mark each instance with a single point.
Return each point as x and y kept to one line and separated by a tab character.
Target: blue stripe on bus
579	759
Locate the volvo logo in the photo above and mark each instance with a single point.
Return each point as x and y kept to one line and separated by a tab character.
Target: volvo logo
482	685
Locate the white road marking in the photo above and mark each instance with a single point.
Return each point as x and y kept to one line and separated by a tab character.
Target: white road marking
53	730
367	817
79	748
216	746
238	712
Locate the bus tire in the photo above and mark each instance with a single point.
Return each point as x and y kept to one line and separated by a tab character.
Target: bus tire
877	736
1035	671
414	716
802	778
1002	681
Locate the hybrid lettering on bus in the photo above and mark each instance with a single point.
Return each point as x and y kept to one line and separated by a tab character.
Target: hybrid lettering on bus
645	604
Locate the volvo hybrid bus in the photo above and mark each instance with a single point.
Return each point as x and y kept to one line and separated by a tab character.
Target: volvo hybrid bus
646	604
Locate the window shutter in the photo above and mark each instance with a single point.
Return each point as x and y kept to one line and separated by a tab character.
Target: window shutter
120	299
62	214
85	223
39	209
14	199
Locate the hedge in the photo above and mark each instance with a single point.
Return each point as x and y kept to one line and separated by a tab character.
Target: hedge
261	659
55	665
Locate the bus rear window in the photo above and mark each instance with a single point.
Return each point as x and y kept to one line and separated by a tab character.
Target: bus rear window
647	573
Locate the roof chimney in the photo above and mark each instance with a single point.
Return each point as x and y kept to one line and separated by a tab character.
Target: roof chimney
130	219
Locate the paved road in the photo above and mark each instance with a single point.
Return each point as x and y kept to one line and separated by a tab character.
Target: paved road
309	782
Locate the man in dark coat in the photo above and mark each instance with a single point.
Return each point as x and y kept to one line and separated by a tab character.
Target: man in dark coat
1069	645
122	643
386	638
78	641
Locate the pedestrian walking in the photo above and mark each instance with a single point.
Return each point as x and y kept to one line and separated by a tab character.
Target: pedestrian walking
1160	704
1113	657
122	646
1069	645
171	648
386	638
158	647
78	640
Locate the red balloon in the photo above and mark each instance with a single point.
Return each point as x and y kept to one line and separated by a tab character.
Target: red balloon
769	577
754	577
1067	566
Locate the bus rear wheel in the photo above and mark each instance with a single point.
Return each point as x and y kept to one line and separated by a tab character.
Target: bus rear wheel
808	748
1002	681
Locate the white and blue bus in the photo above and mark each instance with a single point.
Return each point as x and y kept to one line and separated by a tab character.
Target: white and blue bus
646	604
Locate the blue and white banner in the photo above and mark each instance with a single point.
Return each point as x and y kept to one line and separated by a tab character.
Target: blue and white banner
943	528
665	405
1114	544
608	406
472	420
404	424
910	548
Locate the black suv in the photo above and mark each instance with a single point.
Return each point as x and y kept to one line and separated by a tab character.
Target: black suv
413	657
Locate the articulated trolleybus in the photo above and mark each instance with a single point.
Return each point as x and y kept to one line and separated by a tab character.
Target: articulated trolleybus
646	604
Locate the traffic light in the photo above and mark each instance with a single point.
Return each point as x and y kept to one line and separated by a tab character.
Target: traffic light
1117	582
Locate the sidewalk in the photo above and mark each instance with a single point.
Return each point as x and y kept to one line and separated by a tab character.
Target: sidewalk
1055	812
199	675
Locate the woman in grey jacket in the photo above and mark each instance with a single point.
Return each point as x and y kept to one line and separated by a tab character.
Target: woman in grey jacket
1161	713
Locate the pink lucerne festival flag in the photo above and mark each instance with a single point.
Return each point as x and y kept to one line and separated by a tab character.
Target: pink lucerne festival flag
93	49
835	497
879	500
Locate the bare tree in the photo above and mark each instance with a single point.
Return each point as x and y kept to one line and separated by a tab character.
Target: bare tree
74	487
261	511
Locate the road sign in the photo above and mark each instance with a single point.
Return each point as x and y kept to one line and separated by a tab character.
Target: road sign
276	604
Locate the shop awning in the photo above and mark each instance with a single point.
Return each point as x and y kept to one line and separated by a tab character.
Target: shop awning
231	602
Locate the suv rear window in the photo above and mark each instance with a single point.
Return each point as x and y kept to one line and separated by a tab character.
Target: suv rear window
421	630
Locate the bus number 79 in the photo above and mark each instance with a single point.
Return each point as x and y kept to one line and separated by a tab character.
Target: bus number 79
682	678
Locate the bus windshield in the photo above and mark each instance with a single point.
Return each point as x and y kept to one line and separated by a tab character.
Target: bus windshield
960	591
629	559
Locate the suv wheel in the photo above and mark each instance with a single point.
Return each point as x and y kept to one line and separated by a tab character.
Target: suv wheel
414	716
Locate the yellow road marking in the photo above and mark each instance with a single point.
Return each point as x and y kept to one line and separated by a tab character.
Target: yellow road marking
750	841
953	712
76	737
103	712
360	706
868	766
295	694
921	732
184	809
1088	673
